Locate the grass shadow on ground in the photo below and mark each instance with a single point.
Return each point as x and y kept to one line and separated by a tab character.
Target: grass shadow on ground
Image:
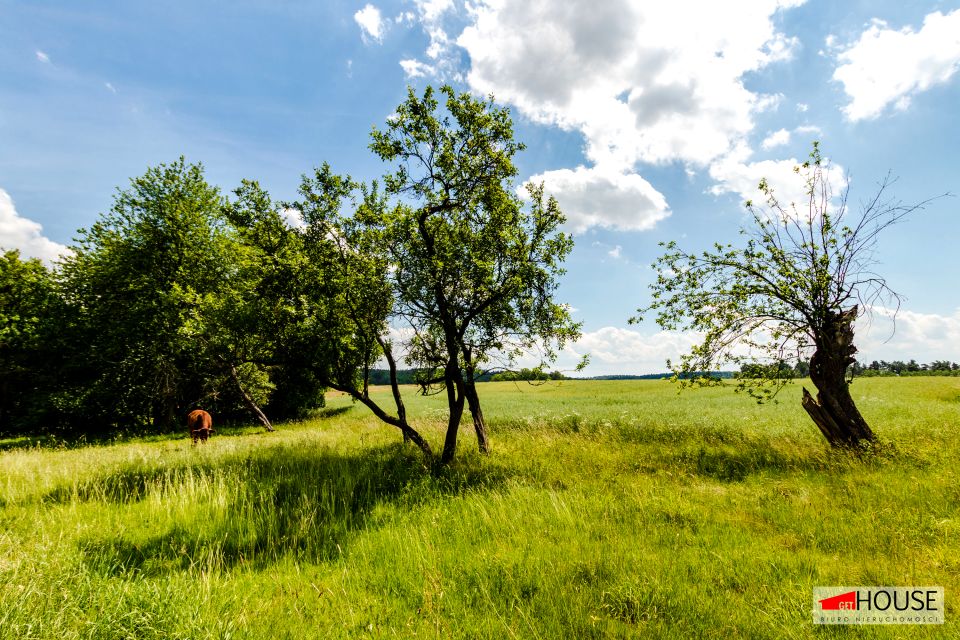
26	442
774	457
331	412
729	464
258	510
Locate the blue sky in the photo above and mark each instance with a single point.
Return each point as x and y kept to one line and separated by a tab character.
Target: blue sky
648	121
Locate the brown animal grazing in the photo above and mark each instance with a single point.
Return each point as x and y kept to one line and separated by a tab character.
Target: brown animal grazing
200	424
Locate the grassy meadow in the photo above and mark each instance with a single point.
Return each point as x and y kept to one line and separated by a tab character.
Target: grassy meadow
606	509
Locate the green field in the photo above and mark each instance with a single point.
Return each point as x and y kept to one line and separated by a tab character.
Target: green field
606	509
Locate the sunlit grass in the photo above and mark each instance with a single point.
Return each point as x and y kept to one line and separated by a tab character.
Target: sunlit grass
606	509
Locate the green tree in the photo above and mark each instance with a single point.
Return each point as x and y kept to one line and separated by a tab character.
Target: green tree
796	286
447	250
241	323
133	279
28	312
474	272
527	375
344	297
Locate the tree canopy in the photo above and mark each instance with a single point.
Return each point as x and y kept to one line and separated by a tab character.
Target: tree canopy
794	287
474	269
132	279
29	337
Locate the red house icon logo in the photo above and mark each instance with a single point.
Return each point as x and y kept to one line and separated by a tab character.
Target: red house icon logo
843	602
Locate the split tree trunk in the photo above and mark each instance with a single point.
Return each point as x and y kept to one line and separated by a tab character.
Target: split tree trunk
248	400
833	410
455	398
409	434
479	426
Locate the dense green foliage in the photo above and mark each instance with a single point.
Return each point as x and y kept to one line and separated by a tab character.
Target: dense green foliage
181	297
800	369
526	374
607	509
900	368
474	270
471	260
177	297
447	252
132	280
29	337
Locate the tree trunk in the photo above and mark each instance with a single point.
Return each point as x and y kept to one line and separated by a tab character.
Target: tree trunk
164	413
473	401
833	410
409	434
248	400
455	398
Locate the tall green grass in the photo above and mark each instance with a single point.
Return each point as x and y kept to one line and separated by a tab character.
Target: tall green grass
606	509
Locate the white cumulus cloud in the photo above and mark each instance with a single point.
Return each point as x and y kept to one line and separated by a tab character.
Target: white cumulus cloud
42	57
617	350
620	350
887	66
293	218
592	197
17	232
416	69
371	22
443	63
923	336
735	173
776	139
809	130
644	82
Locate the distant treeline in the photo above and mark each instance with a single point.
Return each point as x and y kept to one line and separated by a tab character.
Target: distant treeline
661	376
911	368
415	376
410	376
801	369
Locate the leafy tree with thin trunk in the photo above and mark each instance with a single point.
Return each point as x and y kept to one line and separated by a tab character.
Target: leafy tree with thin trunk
795	287
344	298
473	270
447	250
238	323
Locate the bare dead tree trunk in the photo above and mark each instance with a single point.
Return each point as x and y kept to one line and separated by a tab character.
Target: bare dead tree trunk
248	400
833	410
